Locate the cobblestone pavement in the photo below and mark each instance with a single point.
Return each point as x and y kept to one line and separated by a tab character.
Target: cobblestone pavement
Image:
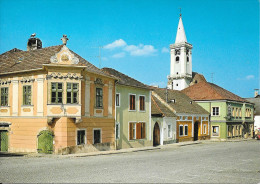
218	162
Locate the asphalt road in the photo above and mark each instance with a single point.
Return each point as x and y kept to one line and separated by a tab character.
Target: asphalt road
221	162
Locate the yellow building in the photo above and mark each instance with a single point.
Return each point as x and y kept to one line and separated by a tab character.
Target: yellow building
53	100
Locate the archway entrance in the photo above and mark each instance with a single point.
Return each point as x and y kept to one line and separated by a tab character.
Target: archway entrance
45	142
156	135
196	131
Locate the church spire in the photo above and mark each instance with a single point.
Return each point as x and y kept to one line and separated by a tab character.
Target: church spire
180	37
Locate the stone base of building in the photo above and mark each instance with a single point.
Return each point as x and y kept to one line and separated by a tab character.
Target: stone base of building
133	144
169	141
87	148
185	139
207	137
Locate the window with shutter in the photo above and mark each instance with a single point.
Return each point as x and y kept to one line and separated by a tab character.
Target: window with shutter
132	102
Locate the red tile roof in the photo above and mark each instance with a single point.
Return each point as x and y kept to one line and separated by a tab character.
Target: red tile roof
17	60
209	91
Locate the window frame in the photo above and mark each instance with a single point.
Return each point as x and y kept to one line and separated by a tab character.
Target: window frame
27	95
212	111
204	129
181	135
212	130
117	133
169	130
118	100
129	104
143	135
57	90
94	135
100	104
85	136
186	126
4	96
139	103
72	93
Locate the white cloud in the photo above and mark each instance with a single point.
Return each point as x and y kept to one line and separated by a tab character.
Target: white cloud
140	50
115	44
119	55
250	77
133	50
165	50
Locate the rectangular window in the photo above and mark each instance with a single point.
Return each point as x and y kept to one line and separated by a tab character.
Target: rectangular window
99	97
137	131
142	103
132	102
215	111
4	96
72	93
204	129
169	131
131	131
81	136
27	94
215	130
118	100
97	136
186	130
117	130
56	92
181	130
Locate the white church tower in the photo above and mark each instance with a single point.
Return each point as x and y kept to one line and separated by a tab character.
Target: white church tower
181	61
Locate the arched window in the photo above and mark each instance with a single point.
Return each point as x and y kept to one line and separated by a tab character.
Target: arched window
188	59
177	59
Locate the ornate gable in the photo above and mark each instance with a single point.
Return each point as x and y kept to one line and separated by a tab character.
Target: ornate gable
65	57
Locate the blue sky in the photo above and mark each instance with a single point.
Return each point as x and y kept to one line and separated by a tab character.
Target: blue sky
136	34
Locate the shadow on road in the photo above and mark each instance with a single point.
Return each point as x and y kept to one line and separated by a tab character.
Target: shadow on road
6	154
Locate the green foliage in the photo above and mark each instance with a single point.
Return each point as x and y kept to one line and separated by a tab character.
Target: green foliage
45	142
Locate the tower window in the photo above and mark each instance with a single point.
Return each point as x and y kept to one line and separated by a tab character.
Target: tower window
177	73
188	59
177	85
177	59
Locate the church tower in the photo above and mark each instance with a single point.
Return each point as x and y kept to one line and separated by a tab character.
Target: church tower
181	61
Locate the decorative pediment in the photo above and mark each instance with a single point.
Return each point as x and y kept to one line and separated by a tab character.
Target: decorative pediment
65	57
99	81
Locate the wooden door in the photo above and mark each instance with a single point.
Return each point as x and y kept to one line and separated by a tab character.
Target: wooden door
156	135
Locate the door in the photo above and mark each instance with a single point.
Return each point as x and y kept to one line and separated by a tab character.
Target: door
45	142
156	135
196	131
3	141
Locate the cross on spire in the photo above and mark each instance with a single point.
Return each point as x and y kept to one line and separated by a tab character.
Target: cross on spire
180	12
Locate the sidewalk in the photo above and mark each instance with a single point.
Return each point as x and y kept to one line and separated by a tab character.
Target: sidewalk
130	149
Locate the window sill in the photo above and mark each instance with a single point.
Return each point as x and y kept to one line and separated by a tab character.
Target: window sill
27	105
142	111
131	110
4	106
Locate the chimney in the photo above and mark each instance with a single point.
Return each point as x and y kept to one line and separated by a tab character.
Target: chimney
256	92
34	43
